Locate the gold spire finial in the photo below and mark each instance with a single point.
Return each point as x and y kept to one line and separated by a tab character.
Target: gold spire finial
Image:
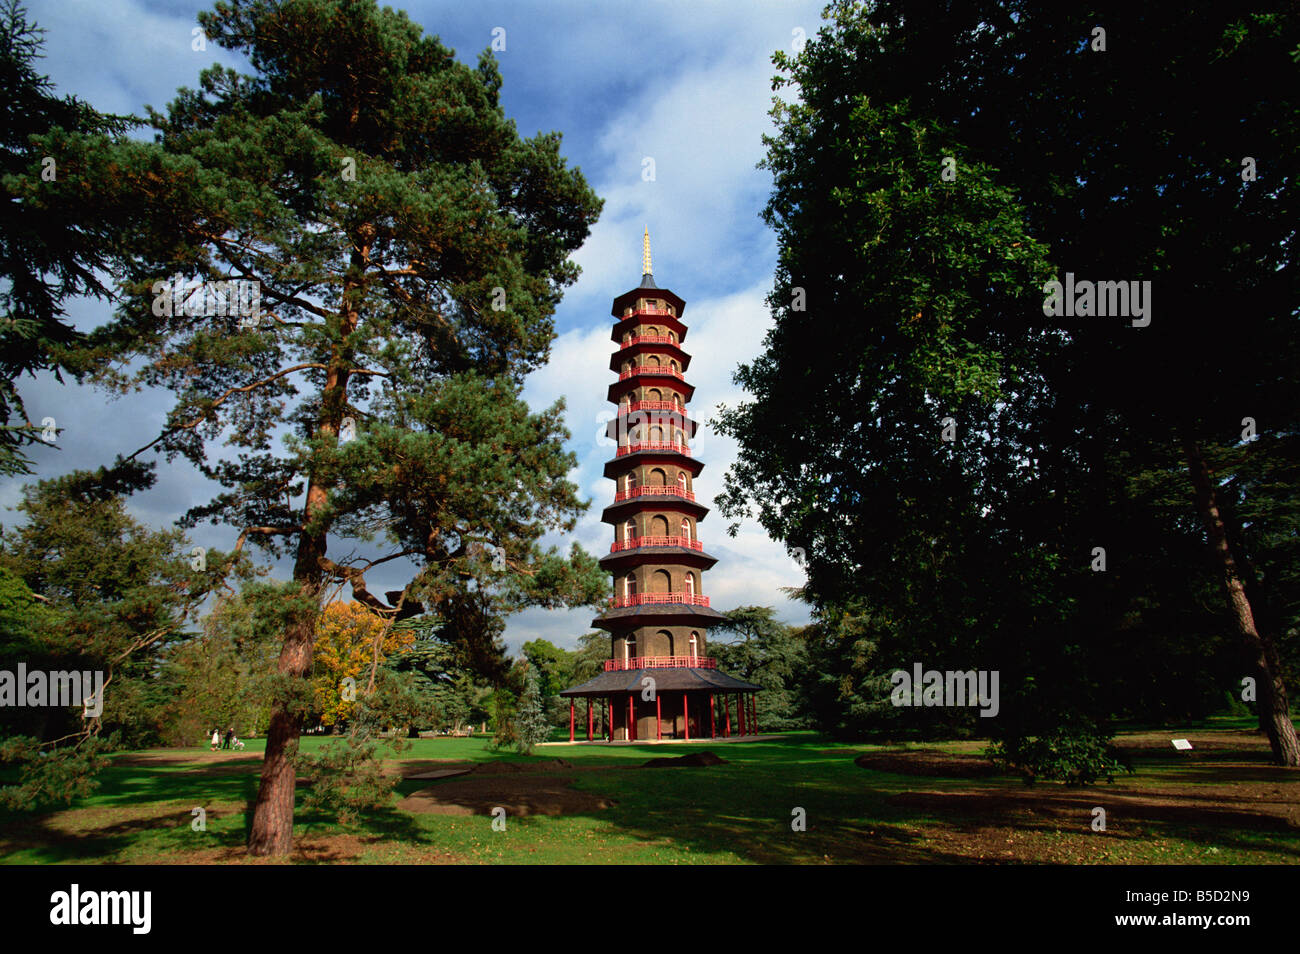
645	253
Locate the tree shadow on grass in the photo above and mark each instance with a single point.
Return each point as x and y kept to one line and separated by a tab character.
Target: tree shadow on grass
149	826
750	808
142	804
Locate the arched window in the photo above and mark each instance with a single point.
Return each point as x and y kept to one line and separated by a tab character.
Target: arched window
654	361
681	481
629	649
661	582
658	478
629	482
686	529
629	586
690	585
677	400
654	394
629	532
659	526
673	365
695	647
672	336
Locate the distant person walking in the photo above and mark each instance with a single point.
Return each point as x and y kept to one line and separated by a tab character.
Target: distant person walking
230	734
216	739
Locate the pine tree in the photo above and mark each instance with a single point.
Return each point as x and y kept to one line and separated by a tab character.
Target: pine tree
380	255
531	726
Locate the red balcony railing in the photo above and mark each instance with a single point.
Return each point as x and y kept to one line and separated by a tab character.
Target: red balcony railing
673	446
653	599
647	339
661	662
651	406
650	369
652	491
636	542
648	311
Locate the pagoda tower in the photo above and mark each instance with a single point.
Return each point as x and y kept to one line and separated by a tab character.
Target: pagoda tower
659	682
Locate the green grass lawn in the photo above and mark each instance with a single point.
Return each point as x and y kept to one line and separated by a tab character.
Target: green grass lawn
740	812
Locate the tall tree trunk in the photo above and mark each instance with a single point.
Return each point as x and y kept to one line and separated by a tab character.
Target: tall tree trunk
1274	711
272	829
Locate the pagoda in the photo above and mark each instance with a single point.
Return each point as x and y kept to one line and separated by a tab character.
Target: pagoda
659	682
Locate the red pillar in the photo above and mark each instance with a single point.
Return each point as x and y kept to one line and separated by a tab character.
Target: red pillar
590	727
753	713
659	727
686	714
713	717
726	711
609	719
740	712
631	719
571	705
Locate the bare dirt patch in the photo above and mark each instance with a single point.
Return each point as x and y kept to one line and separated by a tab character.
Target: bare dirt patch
518	788
694	760
414	768
930	762
178	759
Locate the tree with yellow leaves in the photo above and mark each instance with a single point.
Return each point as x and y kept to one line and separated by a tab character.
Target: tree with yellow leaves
351	643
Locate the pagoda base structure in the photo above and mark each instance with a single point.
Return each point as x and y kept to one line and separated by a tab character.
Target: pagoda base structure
681	703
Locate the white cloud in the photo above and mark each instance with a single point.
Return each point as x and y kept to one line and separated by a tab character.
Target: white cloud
122	53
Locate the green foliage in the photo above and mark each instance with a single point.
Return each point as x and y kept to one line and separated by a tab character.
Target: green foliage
112	593
47	775
450	673
223	676
922	300
770	654
552	666
1076	752
505	730
589	658
347	779
531	723
347	775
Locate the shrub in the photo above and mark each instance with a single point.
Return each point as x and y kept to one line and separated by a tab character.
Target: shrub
1076	754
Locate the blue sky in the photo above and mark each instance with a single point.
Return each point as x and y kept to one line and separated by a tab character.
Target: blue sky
685	83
